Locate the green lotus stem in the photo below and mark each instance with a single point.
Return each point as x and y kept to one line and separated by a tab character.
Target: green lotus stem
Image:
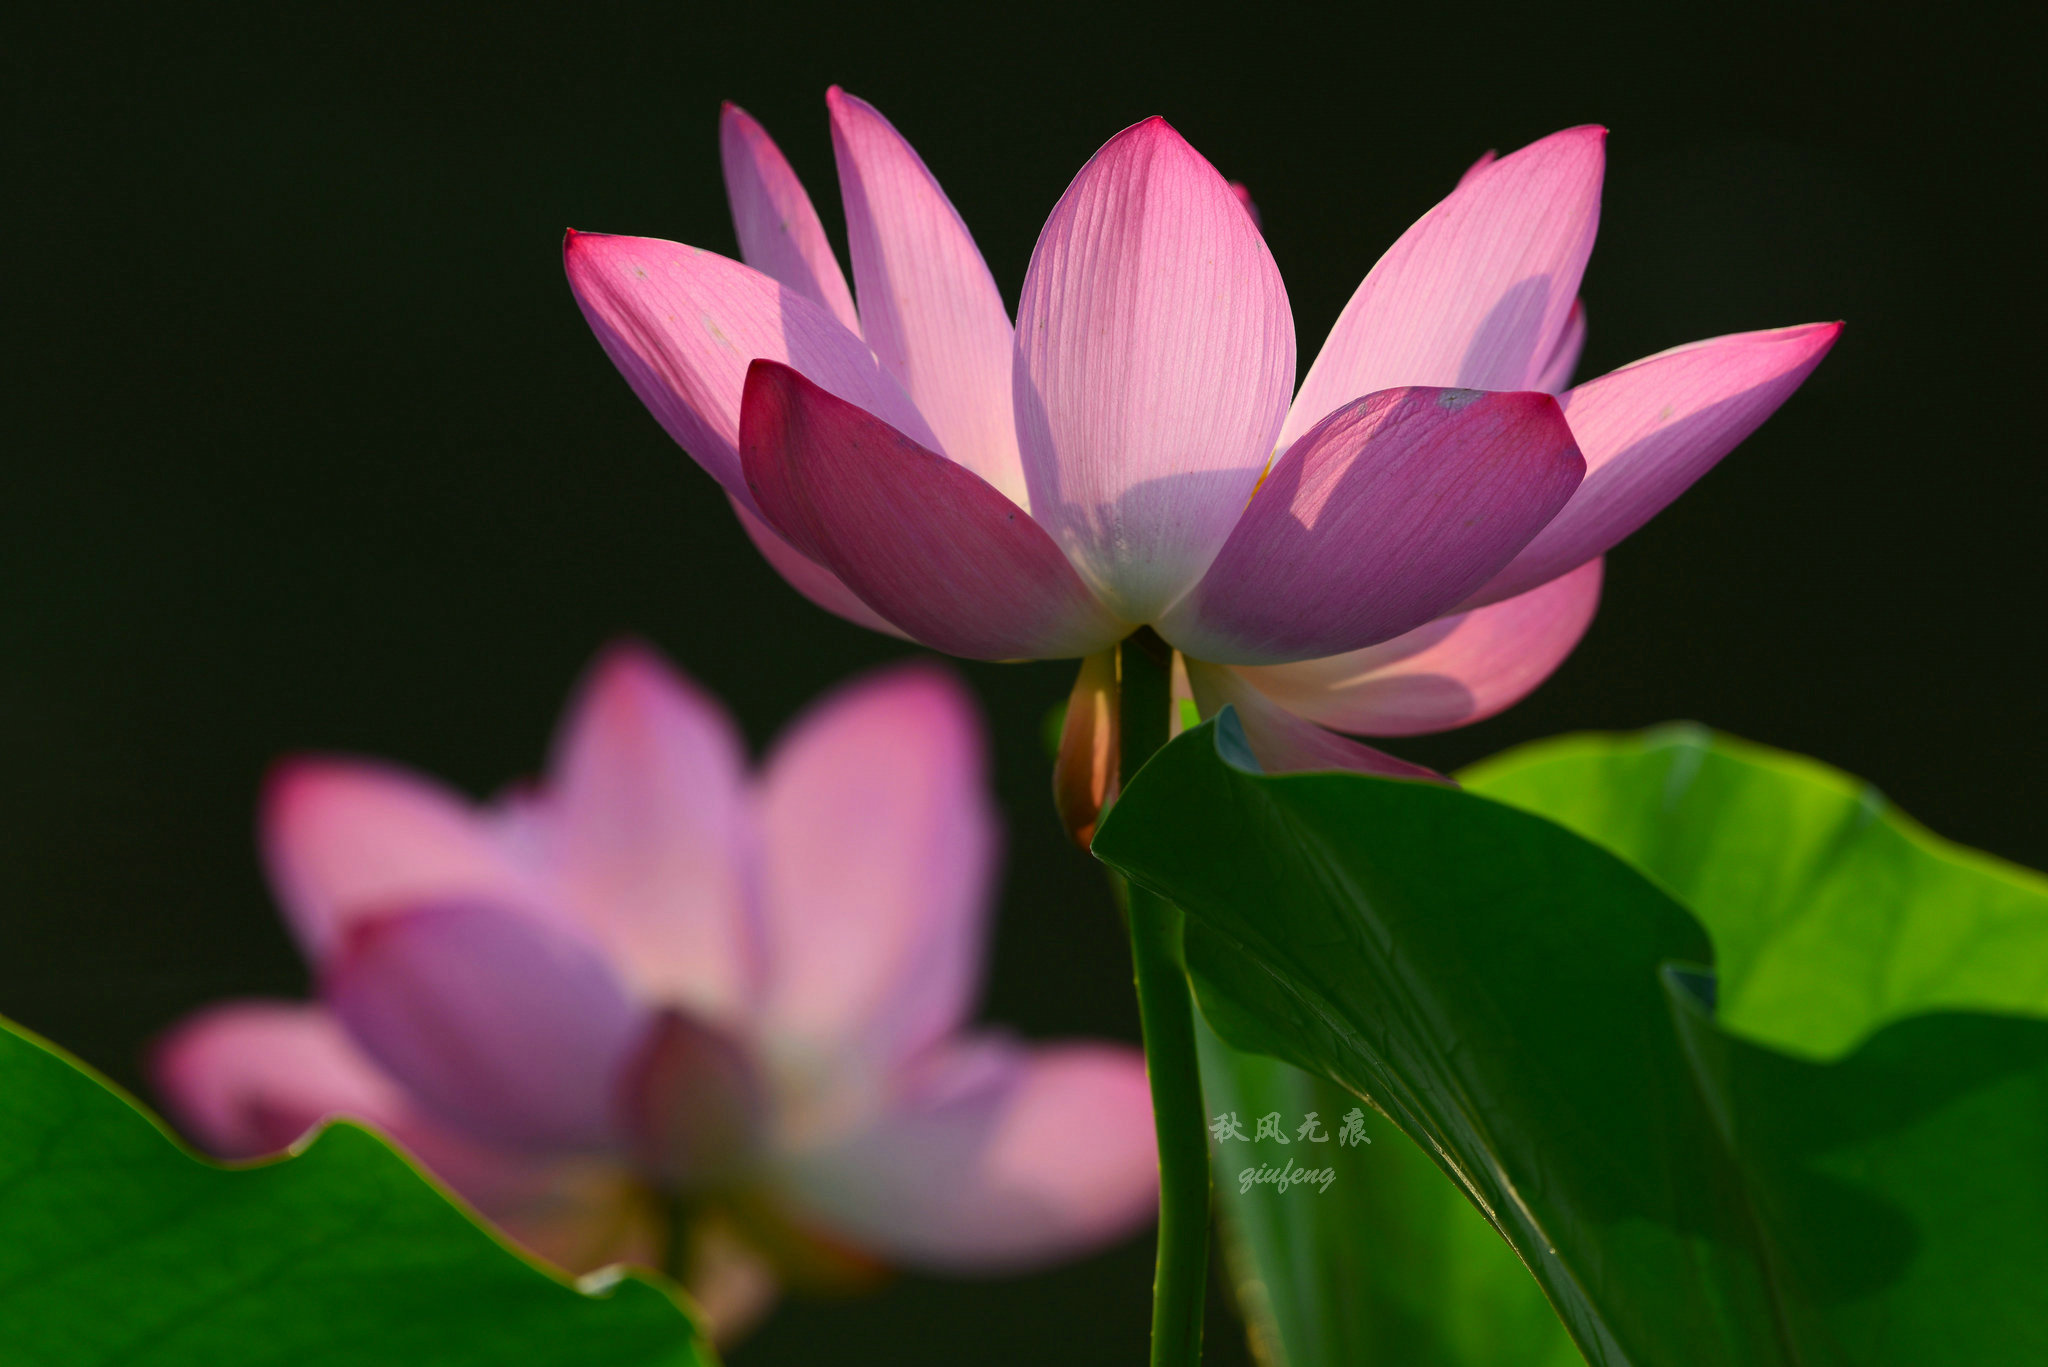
1166	1012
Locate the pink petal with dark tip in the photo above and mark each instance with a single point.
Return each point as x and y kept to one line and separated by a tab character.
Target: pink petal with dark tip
1155	352
1477	293
779	232
1381	517
1650	429
683	324
929	307
926	542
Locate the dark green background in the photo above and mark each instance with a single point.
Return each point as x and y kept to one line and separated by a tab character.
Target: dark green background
307	446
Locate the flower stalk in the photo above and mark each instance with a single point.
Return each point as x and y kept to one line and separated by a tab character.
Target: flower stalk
1165	1011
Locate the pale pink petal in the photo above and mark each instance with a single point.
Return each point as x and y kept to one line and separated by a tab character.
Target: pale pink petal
779	232
1284	743
1557	371
993	1158
1452	672
879	853
252	1077
808	577
928	305
926	542
1650	429
1476	294
511	1032
1380	518
648	834
682	325
1154	354
1244	197
248	1079
347	839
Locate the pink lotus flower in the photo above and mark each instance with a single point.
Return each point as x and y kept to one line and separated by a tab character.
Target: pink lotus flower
1411	544
655	984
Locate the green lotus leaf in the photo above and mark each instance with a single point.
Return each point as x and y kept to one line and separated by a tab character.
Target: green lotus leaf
1836	1151
118	1247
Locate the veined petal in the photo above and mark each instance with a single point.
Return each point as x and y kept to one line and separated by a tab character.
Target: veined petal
1475	294
779	232
347	839
503	1028
1486	159
1154	354
682	325
1381	517
1284	743
928	305
925	541
992	1158
1556	376
1452	672
1650	429
879	854
808	577
647	831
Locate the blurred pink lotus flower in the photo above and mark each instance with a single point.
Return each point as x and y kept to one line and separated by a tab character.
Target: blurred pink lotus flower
1411	543
655	984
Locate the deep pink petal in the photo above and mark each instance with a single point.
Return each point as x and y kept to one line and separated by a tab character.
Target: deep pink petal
779	232
926	542
1154	354
1381	517
648	835
808	577
1284	743
1452	672
879	853
928	305
512	1033
682	325
1476	294
1651	428
345	839
993	1158
1556	376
